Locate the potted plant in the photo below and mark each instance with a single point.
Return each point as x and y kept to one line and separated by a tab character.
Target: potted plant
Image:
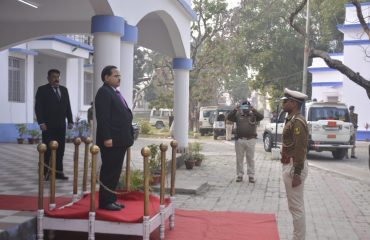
69	135
155	164
34	135
189	161
81	128
22	130
136	181
194	149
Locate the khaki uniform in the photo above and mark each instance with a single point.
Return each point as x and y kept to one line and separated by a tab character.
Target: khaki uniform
245	141
354	120
294	150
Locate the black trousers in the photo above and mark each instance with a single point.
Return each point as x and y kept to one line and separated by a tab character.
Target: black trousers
59	135
110	171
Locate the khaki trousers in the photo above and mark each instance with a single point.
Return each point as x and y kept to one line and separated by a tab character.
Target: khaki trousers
245	147
296	200
353	150
229	129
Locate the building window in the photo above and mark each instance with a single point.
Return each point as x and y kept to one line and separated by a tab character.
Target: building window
88	88
17	82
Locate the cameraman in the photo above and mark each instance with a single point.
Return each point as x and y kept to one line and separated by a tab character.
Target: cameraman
246	118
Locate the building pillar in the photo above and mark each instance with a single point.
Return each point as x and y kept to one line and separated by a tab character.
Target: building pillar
128	41
181	67
107	32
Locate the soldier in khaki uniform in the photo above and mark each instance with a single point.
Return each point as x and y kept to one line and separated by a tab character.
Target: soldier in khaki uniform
354	119
295	167
246	118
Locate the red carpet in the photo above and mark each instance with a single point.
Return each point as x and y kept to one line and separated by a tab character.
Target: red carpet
204	225
194	225
27	203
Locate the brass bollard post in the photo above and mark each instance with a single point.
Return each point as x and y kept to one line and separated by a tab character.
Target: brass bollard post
173	167
145	152
77	143
94	151
86	165
163	148
128	169
53	146
41	148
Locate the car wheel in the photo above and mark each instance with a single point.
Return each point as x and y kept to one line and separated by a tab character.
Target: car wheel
339	153
159	125
267	142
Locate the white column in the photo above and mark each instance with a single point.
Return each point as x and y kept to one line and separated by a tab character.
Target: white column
128	42
107	32
181	68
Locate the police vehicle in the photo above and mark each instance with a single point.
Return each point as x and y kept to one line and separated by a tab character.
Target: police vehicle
329	126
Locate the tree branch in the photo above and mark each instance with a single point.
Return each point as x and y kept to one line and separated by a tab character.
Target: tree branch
360	17
292	17
338	65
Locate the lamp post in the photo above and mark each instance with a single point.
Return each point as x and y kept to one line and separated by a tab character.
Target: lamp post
306	49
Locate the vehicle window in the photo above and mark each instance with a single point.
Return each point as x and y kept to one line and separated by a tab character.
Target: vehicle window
156	113
282	116
328	113
206	114
166	113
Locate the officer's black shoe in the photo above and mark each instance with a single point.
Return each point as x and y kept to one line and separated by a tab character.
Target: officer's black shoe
252	180
353	157
119	204
111	207
239	179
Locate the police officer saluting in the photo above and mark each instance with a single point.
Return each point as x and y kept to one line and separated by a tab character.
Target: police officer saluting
295	167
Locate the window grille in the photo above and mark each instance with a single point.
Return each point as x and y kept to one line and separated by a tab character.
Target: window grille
88	88
17	82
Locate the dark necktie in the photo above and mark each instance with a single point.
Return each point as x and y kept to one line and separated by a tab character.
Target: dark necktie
122	99
57	92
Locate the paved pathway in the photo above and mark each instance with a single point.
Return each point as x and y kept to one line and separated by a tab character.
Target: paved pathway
337	207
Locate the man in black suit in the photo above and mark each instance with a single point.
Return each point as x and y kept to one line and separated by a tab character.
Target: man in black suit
114	135
52	108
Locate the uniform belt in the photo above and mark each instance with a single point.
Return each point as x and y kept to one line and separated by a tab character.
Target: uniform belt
246	138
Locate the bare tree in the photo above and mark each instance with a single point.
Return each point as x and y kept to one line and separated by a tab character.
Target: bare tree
333	63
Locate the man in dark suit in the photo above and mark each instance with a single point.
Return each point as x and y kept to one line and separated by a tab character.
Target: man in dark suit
52	108
114	135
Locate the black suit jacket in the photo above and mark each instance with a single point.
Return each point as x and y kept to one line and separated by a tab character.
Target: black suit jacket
114	120
50	110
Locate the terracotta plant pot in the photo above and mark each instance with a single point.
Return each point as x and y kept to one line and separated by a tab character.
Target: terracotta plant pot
198	162
155	179
20	140
189	164
31	140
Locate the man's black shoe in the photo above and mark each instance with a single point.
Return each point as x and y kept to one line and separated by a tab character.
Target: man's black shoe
353	157
111	207
119	204
61	176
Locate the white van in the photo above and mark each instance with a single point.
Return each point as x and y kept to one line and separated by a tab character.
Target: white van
329	125
160	118
206	119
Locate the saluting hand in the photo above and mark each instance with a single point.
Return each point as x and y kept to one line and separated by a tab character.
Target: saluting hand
296	181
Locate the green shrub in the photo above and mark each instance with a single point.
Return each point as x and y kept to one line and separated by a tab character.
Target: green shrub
136	180
145	127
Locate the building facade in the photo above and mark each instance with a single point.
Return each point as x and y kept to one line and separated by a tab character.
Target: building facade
330	85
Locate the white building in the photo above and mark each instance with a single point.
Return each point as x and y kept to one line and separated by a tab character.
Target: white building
34	40
330	84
